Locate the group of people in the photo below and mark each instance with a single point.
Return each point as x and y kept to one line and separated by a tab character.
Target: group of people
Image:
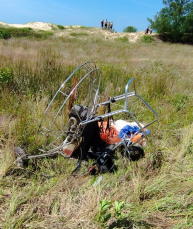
107	25
148	31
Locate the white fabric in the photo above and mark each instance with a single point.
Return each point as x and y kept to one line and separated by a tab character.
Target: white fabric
119	124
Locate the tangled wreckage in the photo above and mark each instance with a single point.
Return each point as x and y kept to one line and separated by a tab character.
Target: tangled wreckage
76	125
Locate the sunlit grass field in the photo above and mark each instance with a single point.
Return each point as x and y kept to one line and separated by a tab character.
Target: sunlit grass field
154	192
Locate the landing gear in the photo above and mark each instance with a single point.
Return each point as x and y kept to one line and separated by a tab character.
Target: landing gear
134	153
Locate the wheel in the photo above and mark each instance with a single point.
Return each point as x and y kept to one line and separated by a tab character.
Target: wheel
134	153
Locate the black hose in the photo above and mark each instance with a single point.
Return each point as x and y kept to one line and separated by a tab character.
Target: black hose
79	163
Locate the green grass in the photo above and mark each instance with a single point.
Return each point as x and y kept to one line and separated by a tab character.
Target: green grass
78	34
155	192
84	27
122	39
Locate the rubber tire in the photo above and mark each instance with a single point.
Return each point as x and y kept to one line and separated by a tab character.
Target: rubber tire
136	152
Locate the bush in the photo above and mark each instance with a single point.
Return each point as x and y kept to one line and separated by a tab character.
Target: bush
130	29
19	32
61	27
6	33
5	75
147	39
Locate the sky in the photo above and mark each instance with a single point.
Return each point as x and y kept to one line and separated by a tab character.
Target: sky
87	13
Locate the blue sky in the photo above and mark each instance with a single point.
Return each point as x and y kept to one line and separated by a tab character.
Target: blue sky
123	13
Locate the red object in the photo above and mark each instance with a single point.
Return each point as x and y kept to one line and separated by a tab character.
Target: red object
92	170
108	135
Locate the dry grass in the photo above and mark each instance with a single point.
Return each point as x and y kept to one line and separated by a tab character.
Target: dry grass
156	191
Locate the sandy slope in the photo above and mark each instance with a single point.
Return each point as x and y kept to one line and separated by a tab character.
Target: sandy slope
33	25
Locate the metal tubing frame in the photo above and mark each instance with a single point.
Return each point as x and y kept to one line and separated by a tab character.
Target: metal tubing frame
90	70
126	142
124	110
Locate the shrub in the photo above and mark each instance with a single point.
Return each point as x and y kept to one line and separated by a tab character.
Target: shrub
147	39
130	29
19	32
6	33
5	75
61	27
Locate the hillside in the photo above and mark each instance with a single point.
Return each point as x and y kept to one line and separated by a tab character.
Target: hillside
155	192
132	37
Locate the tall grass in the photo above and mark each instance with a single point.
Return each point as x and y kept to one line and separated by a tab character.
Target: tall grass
156	191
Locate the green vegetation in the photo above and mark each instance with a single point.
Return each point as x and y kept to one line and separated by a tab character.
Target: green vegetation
154	192
103	216
61	27
122	39
175	21
6	33
84	27
147	39
6	76
78	34
130	29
